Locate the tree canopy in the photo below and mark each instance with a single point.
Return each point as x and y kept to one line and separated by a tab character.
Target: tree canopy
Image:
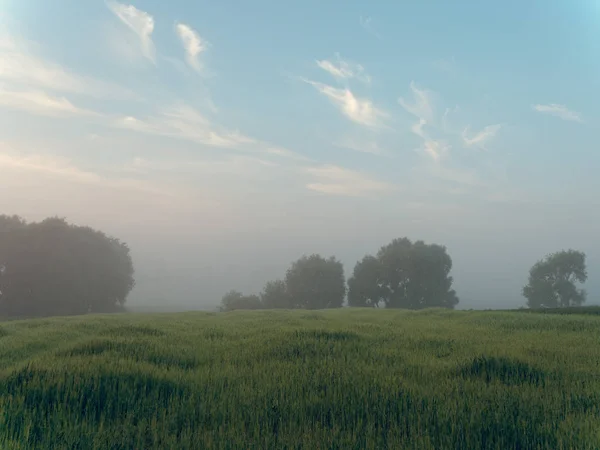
552	281
314	282
54	268
366	285
275	295
236	300
404	275
311	282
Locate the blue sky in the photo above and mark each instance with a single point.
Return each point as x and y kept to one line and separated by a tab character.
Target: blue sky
325	122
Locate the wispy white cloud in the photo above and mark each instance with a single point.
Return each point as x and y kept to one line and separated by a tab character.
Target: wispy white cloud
359	110
193	44
20	67
560	111
446	126
282	152
367	24
435	149
482	137
343	70
335	180
140	22
422	105
64	169
417	128
184	122
38	102
181	121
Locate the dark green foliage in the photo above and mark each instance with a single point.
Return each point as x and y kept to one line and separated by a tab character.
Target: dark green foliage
367	287
54	268
404	275
314	282
353	379
236	300
552	281
275	295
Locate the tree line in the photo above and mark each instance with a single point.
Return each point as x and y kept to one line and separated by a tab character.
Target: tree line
404	274
56	268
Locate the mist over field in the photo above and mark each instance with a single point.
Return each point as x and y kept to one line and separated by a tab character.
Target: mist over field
183	264
490	262
220	154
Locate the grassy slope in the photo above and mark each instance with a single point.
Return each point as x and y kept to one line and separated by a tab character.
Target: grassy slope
332	379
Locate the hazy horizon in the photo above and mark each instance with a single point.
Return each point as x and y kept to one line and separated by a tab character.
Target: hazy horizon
222	141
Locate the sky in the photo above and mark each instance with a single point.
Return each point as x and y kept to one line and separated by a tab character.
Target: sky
222	140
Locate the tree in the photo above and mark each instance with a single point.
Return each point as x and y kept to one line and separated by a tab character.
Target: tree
275	295
313	282
404	275
552	281
366	285
236	300
54	268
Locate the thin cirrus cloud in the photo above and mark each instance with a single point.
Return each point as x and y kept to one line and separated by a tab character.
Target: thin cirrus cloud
343	70
360	110
65	170
193	44
40	103
435	149
20	67
335	180
184	122
422	105
560	111
482	137
138	21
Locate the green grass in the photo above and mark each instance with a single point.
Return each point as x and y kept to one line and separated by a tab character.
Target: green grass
346	379
593	310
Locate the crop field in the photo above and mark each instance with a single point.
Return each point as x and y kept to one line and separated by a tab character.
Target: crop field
343	379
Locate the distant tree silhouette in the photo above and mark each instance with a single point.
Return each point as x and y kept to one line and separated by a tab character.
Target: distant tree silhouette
275	295
236	300
552	281
54	268
313	282
366	285
404	275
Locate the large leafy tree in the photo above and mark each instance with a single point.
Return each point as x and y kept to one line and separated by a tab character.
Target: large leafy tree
366	286
54	268
313	282
404	275
552	281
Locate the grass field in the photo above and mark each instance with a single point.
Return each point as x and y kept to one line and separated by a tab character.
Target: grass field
347	379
